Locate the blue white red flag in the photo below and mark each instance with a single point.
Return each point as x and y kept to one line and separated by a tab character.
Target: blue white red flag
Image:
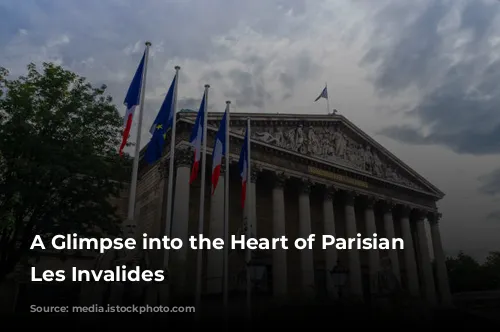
132	100
219	151
196	140
243	166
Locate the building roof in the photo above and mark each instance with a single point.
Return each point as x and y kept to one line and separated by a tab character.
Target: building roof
267	126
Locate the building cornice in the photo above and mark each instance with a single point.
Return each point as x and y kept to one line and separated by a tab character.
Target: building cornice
304	159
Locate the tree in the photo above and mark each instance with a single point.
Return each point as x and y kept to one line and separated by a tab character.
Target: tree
464	273
58	159
492	269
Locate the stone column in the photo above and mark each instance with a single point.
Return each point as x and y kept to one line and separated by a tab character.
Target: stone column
163	288
215	258
409	253
355	281
329	229
442	273
280	285
180	219
373	255
306	255
425	262
390	234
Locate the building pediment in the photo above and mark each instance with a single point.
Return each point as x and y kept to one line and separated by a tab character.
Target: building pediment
330	139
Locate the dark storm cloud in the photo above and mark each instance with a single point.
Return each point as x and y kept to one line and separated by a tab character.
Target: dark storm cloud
186	29
211	75
248	89
10	23
103	41
494	216
183	29
406	61
194	104
189	103
286	80
299	69
490	183
460	106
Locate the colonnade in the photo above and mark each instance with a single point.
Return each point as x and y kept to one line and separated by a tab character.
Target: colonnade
419	276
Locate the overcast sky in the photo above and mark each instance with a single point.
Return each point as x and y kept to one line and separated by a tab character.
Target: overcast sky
421	77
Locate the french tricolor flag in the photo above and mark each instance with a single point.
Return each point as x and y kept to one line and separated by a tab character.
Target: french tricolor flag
132	100
243	166
219	151
196	140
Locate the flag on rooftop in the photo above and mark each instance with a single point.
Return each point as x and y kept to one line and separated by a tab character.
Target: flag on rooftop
323	94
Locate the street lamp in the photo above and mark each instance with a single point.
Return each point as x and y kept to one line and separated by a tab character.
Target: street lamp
339	276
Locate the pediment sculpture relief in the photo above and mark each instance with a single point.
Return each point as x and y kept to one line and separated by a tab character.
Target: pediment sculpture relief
332	145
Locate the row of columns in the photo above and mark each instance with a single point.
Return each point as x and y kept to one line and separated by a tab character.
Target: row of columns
279	257
354	266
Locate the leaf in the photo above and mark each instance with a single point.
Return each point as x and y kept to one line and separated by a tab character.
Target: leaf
59	169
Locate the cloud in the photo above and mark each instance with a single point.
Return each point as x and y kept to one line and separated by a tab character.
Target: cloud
189	103
494	216
240	48
448	54
490	183
418	72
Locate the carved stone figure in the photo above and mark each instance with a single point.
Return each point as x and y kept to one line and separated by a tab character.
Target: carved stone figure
368	159
280	139
352	153
340	144
377	166
299	140
313	147
331	144
357	155
266	137
391	174
328	149
290	140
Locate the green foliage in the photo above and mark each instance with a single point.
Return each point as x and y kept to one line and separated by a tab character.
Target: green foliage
58	159
492	269
466	274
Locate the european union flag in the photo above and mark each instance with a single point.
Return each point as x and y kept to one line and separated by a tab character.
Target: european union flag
323	94
160	126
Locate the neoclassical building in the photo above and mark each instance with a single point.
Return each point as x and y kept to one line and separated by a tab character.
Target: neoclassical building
309	174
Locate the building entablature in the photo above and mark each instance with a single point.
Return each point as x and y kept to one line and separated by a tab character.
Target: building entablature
327	149
325	146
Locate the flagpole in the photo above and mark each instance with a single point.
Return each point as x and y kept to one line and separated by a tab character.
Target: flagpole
248	202
135	167
168	221
327	99
225	288
199	253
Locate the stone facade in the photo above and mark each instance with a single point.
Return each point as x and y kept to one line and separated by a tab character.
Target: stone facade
310	174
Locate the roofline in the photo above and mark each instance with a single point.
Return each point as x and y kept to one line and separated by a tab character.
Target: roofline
190	115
